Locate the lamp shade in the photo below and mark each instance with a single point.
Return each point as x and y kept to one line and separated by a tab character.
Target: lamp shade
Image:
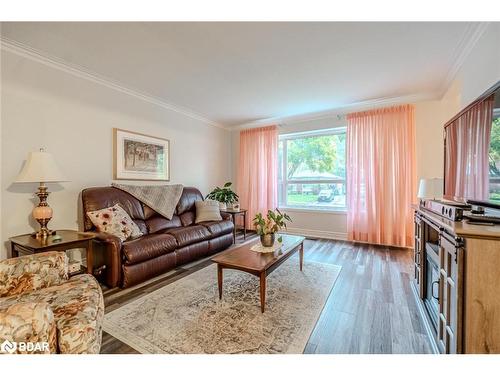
430	188
40	167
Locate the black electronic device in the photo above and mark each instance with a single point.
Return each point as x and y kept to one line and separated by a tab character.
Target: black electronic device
482	218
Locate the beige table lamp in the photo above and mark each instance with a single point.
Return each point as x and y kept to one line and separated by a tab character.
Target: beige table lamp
41	168
430	188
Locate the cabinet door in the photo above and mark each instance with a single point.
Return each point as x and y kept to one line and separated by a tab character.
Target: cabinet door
450	296
418	255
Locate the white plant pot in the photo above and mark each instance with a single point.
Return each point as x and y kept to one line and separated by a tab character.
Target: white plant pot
222	206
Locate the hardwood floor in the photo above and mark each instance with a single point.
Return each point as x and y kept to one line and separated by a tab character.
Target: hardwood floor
371	308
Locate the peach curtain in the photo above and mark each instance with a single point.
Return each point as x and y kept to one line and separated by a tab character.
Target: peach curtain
467	146
381	176
257	173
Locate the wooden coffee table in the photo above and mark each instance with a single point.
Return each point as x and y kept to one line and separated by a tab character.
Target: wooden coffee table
258	264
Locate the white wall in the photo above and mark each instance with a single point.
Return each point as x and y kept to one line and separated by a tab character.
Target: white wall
73	119
430	116
481	69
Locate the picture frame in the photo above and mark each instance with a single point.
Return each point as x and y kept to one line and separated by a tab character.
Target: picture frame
139	156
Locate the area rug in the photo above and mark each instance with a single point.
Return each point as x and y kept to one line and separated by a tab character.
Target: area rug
188	317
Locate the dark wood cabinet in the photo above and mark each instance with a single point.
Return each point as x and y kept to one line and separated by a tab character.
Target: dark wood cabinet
457	272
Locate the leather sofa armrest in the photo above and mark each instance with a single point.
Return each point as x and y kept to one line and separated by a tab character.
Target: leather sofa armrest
113	257
108	238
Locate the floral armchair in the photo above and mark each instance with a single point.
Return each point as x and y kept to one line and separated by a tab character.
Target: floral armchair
40	304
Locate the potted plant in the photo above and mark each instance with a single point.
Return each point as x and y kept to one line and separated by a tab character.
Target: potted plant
268	226
224	195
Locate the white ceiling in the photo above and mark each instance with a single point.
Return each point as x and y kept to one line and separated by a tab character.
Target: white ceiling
234	73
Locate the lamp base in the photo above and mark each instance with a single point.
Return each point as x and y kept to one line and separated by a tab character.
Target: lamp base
43	213
41	234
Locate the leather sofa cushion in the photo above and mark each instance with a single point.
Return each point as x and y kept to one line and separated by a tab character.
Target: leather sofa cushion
135	273
192	252
148	211
142	226
158	223
189	235
147	247
220	243
187	218
188	197
218	228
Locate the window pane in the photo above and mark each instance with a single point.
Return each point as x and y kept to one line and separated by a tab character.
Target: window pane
316	195
280	161
494	161
316	157
281	200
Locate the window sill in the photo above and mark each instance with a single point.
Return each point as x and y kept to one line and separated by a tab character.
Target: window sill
331	211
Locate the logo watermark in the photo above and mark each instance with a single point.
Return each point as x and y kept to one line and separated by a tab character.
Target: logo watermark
10	347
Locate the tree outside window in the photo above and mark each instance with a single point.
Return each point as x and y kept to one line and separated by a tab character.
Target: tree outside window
312	170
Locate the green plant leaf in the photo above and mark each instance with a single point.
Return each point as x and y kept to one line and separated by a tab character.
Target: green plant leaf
273	222
224	194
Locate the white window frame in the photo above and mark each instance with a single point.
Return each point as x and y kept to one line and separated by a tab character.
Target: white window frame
496	114
285	181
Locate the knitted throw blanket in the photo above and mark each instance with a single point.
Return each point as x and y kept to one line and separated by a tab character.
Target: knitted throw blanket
161	198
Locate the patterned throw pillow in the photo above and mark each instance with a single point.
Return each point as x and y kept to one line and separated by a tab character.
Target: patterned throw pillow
116	221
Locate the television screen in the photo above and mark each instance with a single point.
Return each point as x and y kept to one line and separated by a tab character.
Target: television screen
472	152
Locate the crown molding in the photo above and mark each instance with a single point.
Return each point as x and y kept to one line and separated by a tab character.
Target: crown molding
23	50
340	110
470	37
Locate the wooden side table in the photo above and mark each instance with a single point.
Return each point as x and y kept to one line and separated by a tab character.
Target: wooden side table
233	214
26	244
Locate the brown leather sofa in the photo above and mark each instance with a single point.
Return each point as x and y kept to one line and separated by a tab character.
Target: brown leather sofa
165	244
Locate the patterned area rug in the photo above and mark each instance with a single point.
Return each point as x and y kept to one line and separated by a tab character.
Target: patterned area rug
188	317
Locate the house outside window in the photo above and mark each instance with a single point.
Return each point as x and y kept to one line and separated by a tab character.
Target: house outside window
312	170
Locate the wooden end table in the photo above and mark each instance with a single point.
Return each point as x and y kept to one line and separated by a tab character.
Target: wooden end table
26	244
258	264
234	213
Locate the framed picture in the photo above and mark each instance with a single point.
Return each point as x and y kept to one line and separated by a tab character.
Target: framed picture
140	157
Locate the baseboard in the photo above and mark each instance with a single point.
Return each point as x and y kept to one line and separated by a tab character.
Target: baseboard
312	233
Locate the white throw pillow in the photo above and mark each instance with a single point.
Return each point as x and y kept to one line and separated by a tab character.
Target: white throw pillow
207	210
116	221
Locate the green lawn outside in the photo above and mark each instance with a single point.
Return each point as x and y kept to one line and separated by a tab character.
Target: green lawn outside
302	198
495	197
